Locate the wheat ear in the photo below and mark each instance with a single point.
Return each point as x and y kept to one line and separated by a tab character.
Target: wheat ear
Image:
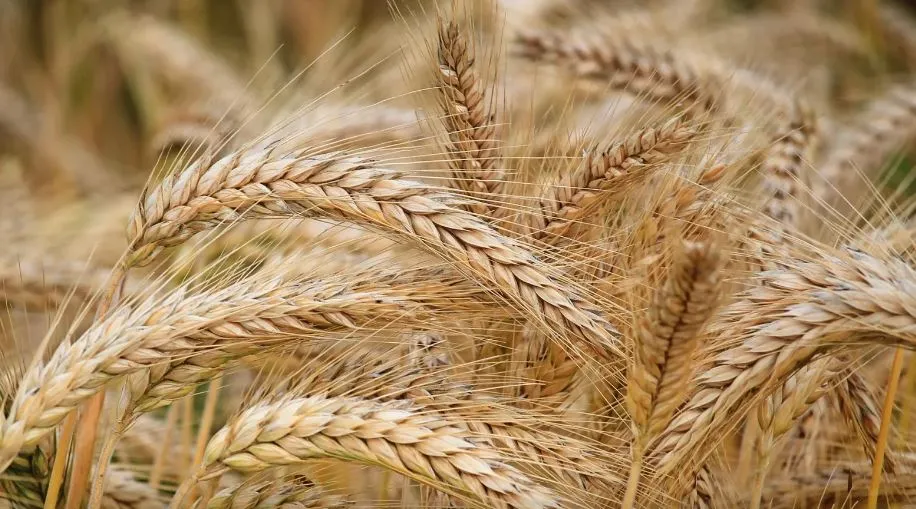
780	411
295	492
273	183
861	150
604	174
639	69
239	317
795	314
472	137
783	181
407	440
666	337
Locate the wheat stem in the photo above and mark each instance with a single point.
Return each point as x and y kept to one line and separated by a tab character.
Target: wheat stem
886	418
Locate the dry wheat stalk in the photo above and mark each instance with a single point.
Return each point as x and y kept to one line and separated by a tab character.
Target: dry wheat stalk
273	183
418	444
469	121
294	492
795	314
240	316
666	337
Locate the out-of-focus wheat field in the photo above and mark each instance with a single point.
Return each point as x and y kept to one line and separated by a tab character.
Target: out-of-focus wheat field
436	254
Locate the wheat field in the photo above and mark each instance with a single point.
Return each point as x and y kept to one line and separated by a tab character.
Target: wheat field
518	254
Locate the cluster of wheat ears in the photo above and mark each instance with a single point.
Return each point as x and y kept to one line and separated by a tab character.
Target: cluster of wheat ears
509	254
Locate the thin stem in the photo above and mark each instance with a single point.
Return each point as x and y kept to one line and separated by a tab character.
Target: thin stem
59	469
745	454
184	490
906	406
206	421
629	498
101	469
886	416
155	476
187	433
88	422
760	475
